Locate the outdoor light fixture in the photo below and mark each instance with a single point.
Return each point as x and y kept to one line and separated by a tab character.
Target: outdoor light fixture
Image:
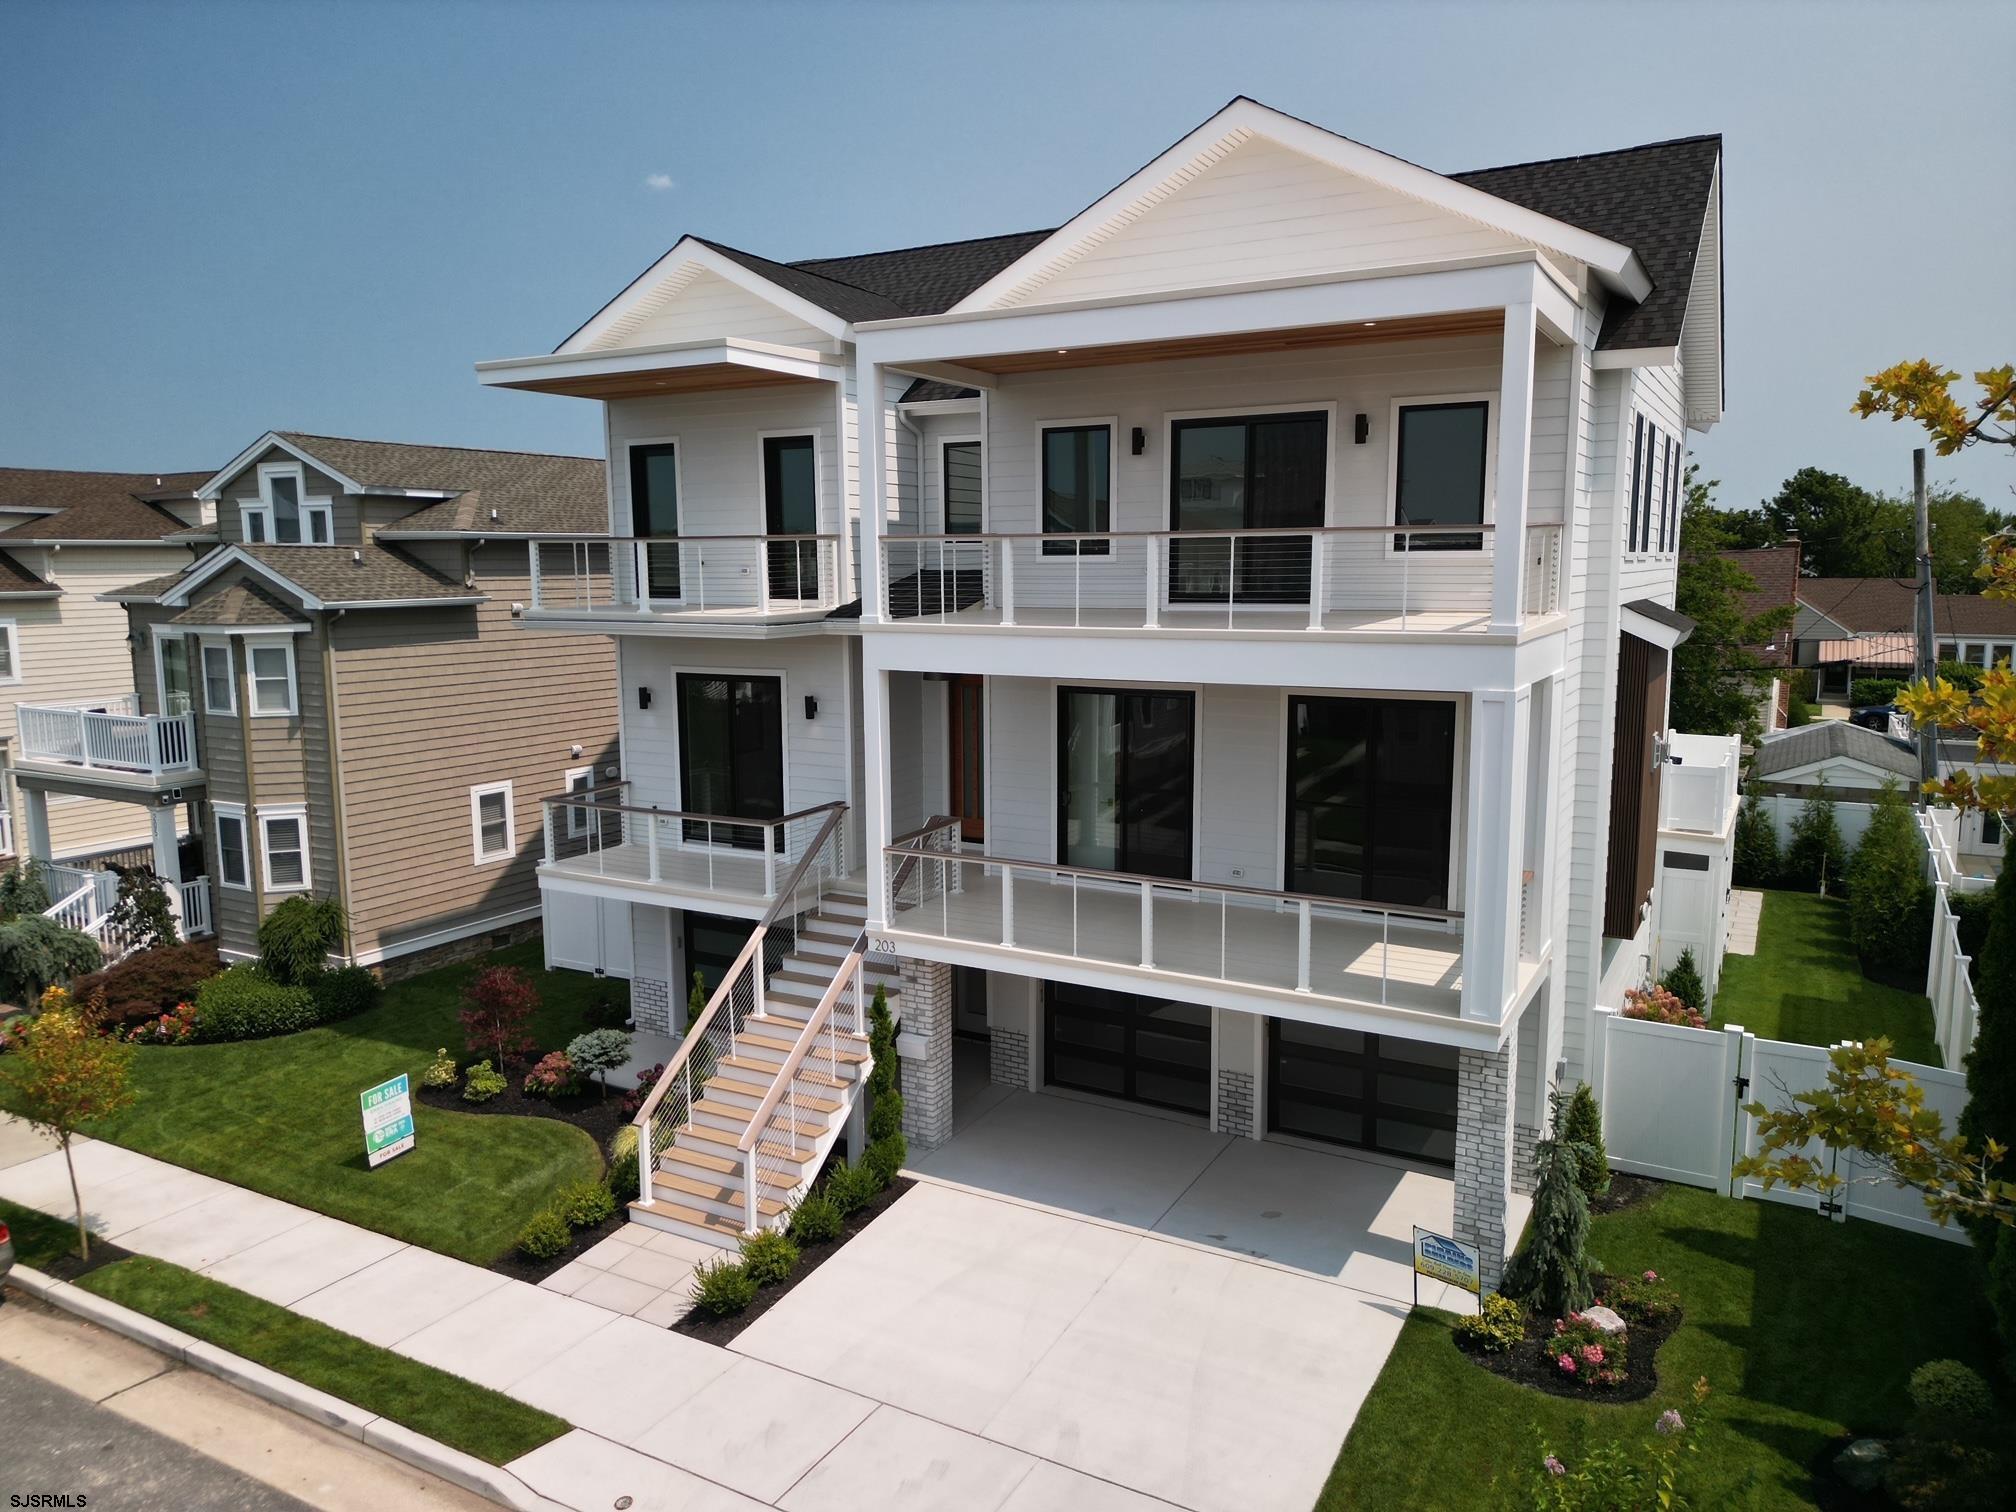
1361	429
811	706
643	698
1140	440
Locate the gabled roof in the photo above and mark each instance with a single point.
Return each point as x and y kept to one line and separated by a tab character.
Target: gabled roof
322	577
1865	606
1833	740
17	582
79	507
1775	571
240	606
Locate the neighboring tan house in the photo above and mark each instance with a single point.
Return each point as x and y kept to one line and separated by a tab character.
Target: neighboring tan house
1775	571
65	538
335	694
1214	652
1864	627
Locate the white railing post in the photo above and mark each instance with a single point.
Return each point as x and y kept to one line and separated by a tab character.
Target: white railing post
1316	565
548	827
651	845
1007	580
533	552
640	581
749	1185
1302	944
1153	610
1147	924
1007	905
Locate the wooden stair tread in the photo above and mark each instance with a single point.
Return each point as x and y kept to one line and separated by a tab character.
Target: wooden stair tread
698	1217
767	1071
807	1101
672	1160
714	1191
723	1110
701	1133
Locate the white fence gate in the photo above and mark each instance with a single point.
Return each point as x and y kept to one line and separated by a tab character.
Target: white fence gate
1672	1102
587	934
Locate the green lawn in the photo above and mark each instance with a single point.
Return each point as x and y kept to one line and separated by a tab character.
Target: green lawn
280	1116
1804	984
1805	1329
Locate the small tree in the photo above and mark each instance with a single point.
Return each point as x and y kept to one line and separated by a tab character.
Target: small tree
141	913
37	953
1551	1271
1816	860
298	937
496	1016
64	1074
1584	1127
598	1052
22	892
1756	845
1888	897
1684	981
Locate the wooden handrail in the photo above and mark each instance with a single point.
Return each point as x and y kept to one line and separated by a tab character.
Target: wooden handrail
1485	528
752	1136
673	540
788	888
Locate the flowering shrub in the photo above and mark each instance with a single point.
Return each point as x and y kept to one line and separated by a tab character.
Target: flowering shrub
632	1100
441	1071
554	1076
176	1027
1615	1478
1586	1354
1500	1323
1661	1007
1640	1300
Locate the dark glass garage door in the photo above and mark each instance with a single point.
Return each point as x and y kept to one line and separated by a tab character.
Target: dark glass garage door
1140	1048
1380	1093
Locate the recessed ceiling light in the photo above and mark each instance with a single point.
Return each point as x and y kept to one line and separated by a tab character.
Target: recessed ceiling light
1063	351
1371	322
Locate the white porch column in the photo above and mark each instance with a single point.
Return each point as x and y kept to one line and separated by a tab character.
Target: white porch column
873	425
1515	452
1495	849
168	854
875	791
35	820
1484	1145
1238	1047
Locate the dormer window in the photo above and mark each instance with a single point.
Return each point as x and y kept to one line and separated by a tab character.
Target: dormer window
285	514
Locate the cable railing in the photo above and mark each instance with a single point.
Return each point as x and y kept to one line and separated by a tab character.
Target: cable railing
739	997
1405	578
683	575
1361	951
596	832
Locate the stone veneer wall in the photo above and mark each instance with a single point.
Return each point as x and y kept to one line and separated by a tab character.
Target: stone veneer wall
927	1073
1525	1140
455	952
1235	1103
1008	1058
651	1004
1484	1141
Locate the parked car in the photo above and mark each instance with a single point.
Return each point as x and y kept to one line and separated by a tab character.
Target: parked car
6	1251
1884	719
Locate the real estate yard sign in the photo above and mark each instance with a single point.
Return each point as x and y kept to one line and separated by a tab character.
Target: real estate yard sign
1440	1258
388	1120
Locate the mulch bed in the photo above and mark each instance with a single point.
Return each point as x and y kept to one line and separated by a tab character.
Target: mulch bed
519	1268
598	1116
1531	1362
69	1267
712	1330
1626	1192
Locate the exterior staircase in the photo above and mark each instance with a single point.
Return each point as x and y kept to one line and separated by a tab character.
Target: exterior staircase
698	1184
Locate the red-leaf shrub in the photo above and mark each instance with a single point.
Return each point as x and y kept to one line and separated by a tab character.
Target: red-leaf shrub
1661	1007
554	1076
496	1016
144	986
632	1100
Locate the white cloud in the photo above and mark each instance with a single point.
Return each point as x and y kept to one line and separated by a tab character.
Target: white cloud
659	181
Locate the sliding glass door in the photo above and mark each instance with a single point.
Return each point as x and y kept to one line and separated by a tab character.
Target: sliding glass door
1246	472
791	508
1126	767
1371	792
654	516
731	754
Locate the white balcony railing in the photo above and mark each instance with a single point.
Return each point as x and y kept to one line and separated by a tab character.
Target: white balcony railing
106	734
195	912
1344	950
746	575
1697	785
1341	577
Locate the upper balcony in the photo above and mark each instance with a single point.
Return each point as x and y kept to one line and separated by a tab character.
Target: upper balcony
728	583
107	741
1698	784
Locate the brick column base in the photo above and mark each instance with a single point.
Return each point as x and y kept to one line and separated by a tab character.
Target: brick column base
1525	1140
1235	1104
1008	1058
651	1004
927	1066
1484	1143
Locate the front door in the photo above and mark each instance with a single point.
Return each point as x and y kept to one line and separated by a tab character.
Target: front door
1126	773
654	517
967	745
1371	798
1142	1049
731	755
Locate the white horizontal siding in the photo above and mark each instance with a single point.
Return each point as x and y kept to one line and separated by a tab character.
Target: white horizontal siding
720	456
706	307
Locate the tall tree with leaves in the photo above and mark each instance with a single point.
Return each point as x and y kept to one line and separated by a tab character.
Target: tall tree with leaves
1922	391
1719	674
63	1074
1844	530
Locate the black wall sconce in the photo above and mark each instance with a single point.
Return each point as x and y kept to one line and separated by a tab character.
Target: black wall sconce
1361	430
1140	440
811	706
643	698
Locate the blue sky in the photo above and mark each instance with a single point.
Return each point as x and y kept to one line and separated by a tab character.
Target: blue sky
220	219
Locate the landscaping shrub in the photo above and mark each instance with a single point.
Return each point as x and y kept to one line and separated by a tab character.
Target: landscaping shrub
298	937
1641	1300
598	1052
38	953
1990	1112
1756	859
151	982
623	1175
1949	1399
553	1077
723	1287
1684	981
816	1220
1587	1355
885	1116
140	912
344	993
1942	1475
544	1237
1864	691
1963	675
441	1071
583	1204
884	1158
1816	860
1971	915
1799	708
1499	1324
482	1083
1661	1007
175	1027
851	1188
245	1003
22	893
769	1257
628	1104
1550	1273
1889	900
607	1011
1584	1126
496	1015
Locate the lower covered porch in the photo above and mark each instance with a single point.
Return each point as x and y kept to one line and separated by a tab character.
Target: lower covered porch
83	887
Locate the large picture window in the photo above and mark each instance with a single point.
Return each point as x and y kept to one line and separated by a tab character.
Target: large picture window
1371	793
1246	473
959	471
1077	487
1126	769
654	514
1441	452
731	755
791	508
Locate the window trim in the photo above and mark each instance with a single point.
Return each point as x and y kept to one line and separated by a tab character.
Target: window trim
253	646
1639	473
267	814
235	814
11	629
477	855
763	440
1111	425
204	646
625	527
944	514
1674	486
1449	556
576	824
312	507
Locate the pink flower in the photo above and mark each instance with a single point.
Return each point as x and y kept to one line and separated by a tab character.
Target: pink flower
1567	1364
1651	1275
1554	1466
1592	1354
1670	1422
1560	1328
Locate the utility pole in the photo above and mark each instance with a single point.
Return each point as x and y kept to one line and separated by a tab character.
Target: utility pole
1928	666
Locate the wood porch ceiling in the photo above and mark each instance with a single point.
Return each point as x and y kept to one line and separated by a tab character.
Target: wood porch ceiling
1298	338
711	378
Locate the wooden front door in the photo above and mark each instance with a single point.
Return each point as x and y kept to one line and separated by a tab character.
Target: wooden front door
968	745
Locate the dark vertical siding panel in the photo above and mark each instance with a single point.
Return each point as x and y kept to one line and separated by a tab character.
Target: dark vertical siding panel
1634	785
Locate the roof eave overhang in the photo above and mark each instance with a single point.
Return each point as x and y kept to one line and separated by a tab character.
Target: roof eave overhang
171	627
1666	631
761	356
8	542
30	593
691	249
386	534
1636	357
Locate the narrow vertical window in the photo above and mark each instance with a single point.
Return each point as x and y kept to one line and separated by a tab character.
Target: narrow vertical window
1638	460
219	693
1077	487
960	469
791	508
231	862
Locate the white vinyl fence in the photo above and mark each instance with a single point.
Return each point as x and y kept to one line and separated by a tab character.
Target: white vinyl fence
1852	818
1672	1102
1949	972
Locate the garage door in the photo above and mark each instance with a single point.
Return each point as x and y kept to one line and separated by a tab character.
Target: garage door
1368	1090
1139	1048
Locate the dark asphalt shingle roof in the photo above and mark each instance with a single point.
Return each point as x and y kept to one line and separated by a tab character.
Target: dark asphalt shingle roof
532	492
1775	571
357	574
1833	740
925	389
17	581
94	506
1883	606
240	604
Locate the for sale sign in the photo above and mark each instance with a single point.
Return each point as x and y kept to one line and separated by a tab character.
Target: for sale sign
1441	1258
388	1120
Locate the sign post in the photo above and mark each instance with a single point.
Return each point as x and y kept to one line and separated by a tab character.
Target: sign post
388	1120
1440	1258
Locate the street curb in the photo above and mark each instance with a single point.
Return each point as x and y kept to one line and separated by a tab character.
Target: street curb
402	1443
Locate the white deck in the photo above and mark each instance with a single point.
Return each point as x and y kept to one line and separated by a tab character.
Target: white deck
728	880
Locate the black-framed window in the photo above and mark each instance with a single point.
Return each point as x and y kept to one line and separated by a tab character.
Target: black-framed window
731	755
654	513
1378	1092
1371	798
1144	1049
1674	498
1077	487
1441	463
1246	472
712	944
959	471
1126	774
1641	475
791	507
